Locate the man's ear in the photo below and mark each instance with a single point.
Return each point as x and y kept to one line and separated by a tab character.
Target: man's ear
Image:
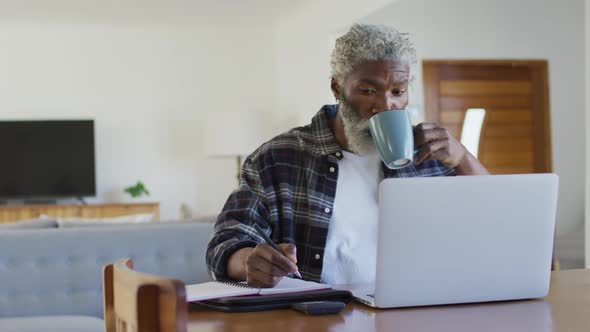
335	88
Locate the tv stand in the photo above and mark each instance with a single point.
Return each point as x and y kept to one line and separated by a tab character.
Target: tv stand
14	212
21	202
40	202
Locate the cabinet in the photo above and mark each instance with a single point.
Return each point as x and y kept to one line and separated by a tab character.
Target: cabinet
24	212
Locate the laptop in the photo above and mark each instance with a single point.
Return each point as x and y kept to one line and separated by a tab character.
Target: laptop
446	240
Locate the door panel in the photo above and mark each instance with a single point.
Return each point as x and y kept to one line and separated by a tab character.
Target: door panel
514	136
484	88
465	102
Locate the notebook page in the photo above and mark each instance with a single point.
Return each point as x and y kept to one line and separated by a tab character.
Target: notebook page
214	290
292	285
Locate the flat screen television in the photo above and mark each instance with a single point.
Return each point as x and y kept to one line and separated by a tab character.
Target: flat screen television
47	159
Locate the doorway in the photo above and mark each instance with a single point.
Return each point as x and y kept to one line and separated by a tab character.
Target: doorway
499	109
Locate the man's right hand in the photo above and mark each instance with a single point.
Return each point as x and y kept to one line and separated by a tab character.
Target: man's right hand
262	265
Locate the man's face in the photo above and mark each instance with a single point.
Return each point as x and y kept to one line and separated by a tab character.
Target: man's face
373	87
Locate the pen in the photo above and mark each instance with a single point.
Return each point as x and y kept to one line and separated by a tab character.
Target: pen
272	244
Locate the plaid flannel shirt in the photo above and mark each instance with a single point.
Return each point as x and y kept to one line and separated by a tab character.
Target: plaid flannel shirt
287	187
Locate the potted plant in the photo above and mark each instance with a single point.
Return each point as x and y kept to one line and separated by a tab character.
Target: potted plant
137	191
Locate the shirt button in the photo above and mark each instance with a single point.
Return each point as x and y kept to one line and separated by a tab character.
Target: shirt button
327	210
338	154
332	169
317	256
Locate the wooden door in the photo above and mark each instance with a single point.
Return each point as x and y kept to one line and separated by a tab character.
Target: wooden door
515	135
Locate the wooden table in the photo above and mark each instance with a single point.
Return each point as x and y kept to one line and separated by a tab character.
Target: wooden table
566	308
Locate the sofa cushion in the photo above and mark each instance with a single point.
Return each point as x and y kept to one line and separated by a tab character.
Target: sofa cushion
29	224
93	222
59	271
209	219
74	223
52	324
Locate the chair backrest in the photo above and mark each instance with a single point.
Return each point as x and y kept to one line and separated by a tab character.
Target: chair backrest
135	301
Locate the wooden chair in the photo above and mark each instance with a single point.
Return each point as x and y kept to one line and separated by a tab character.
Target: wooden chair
140	302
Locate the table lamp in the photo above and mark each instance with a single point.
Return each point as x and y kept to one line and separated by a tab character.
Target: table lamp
234	134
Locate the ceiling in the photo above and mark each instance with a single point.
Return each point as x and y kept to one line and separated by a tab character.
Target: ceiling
168	11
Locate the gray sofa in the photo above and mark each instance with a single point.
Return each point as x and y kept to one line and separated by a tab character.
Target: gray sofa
51	279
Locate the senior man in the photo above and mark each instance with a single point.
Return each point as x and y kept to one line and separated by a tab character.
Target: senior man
313	189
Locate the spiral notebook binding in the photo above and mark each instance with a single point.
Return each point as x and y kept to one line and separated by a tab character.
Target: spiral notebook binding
236	284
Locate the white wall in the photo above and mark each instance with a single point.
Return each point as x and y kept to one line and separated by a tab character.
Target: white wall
148	87
526	29
303	43
587	225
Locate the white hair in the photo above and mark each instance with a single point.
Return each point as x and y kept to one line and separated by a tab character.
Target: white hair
367	42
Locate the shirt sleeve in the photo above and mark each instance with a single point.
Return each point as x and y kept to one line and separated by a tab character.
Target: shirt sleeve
449	171
233	229
437	168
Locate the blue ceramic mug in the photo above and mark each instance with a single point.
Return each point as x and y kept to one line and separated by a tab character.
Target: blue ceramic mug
393	137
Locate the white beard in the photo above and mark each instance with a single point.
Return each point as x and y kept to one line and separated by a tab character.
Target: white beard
356	130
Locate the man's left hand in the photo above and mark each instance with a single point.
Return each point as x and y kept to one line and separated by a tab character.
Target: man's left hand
435	142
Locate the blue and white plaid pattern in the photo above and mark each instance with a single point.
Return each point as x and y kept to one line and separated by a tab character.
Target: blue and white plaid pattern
287	187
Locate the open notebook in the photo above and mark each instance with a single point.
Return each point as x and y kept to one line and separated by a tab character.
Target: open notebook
218	289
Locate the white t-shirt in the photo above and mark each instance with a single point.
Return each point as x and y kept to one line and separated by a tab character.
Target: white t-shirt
351	245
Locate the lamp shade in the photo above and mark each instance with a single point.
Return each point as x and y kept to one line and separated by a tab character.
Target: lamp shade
231	134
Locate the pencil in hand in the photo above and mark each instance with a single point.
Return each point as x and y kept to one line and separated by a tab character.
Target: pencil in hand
273	245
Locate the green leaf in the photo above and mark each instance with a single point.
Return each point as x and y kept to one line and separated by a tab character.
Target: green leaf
137	190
